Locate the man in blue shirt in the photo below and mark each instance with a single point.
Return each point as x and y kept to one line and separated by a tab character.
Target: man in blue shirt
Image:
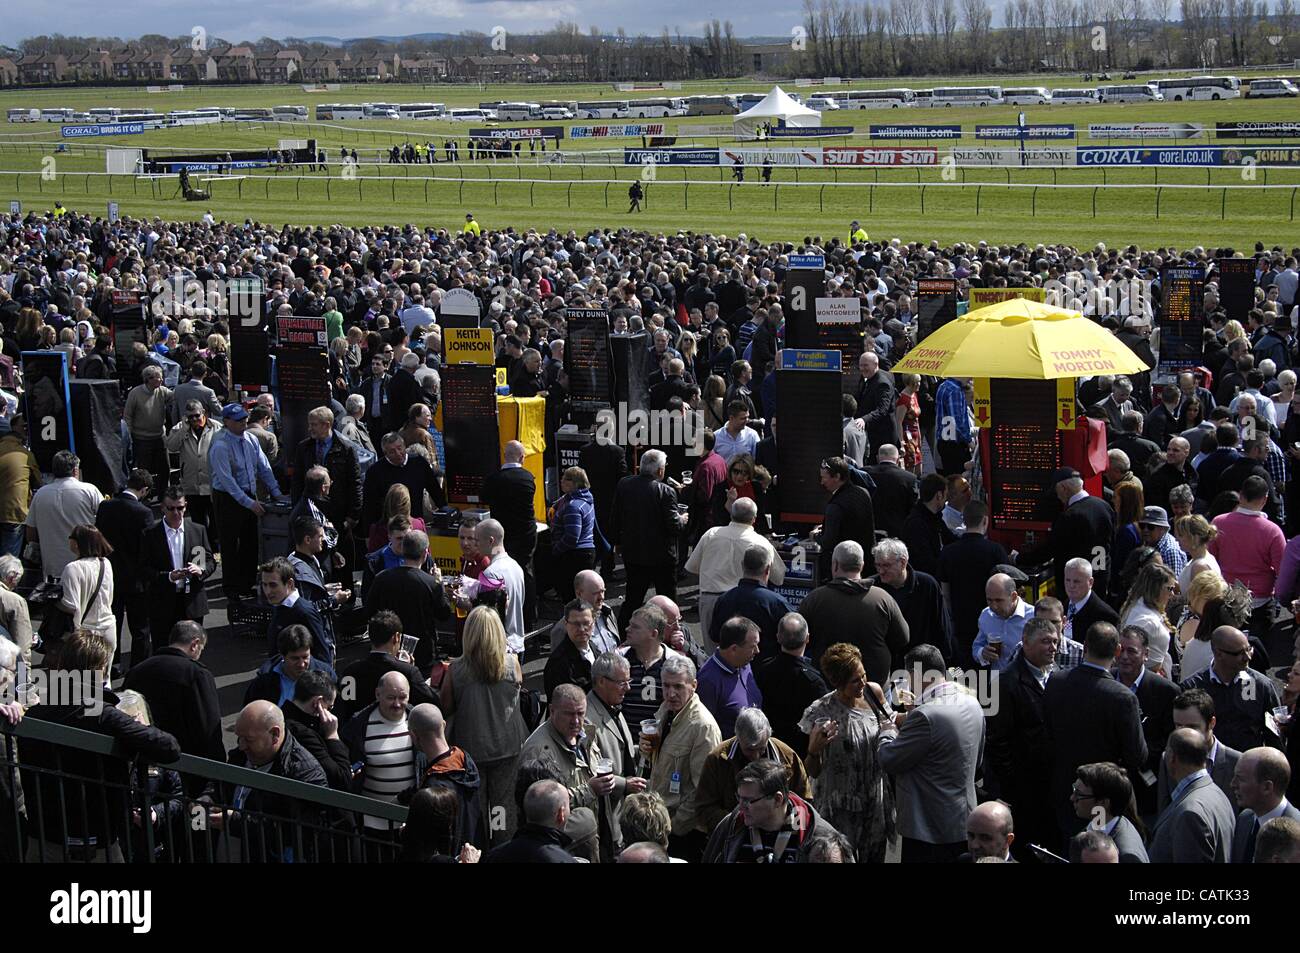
1002	624
952	425
237	464
726	683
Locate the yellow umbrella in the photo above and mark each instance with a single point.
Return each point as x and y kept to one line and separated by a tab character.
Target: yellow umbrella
1022	340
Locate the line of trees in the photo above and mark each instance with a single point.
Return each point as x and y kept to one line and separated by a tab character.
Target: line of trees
909	37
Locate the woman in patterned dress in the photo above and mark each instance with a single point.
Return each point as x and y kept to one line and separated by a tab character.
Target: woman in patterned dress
907	410
844	729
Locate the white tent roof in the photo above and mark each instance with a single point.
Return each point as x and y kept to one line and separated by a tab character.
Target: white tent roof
778	105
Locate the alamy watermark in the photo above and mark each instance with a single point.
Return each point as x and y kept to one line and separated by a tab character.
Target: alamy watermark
235	298
651	428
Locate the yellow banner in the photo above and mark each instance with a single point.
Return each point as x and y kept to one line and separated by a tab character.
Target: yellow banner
445	550
983	297
468	346
1065	403
983	404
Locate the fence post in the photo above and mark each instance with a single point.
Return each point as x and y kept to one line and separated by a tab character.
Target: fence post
495	185
1157	203
871	198
1207	175
606	195
1033	203
1094	201
1156	180
978	189
1008	175
923	200
1103	175
1053	175
568	195
241	188
135	182
1293	191
1223	208
730	204
461	196
821	207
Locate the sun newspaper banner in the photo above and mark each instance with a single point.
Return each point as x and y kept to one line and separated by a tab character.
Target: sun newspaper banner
915	132
670	156
618	131
1257	130
1025	132
872	156
786	157
1146	130
1013	157
983	297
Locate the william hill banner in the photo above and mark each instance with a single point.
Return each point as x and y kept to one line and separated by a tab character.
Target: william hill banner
468	346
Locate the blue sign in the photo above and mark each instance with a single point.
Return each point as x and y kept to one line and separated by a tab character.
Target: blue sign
796	359
1177	155
102	129
670	156
1027	132
795	132
915	132
216	166
816	262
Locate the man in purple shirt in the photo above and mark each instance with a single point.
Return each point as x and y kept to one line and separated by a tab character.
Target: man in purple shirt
726	683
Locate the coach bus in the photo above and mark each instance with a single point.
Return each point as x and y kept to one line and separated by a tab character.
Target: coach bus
967	96
1026	96
191	117
710	105
104	113
421	110
24	115
253	115
140	115
876	98
57	115
603	109
519	112
290	113
656	108
1132	93
1074	97
1199	87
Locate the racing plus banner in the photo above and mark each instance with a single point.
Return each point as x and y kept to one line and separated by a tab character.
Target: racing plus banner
1025	132
616	132
1257	130
915	132
1146	130
528	132
1013	157
871	156
756	157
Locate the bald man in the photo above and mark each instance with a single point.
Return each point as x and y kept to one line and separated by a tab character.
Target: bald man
1259	783
439	764
989	833
379	737
510	494
589	586
1002	624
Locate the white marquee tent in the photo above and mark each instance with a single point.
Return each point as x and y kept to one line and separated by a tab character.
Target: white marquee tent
776	105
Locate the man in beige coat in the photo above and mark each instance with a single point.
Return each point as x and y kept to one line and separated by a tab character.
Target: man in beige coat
191	438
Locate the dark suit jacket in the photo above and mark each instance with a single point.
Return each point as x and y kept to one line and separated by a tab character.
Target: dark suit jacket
1155	695
668	388
1197	828
1018	755
876	399
1111	732
403	391
644	522
123	520
156	563
1080	528
414	595
789	683
345	473
566	666
365	675
508	493
1138	448
1243	836
925	534
301	612
896	494
605	464
378	426
1221	771
849	515
1094	610
183	699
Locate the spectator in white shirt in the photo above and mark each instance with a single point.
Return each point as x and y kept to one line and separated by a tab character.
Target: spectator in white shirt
56	508
88	583
718	555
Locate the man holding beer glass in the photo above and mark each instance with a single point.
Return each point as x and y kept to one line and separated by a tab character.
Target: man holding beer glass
1001	624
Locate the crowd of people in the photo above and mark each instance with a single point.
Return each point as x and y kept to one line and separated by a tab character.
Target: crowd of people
918	704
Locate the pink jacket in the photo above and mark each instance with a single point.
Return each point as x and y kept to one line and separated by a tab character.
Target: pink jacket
1249	549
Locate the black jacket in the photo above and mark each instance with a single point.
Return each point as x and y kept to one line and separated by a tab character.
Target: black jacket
266	840
1158	483
849	515
925	534
417	475
419	601
664	391
876	400
1018	755
896	493
605	464
1138	448
1112	731
345	474
301	612
566	666
789	685
1095	610
156	565
860	613
330	753
366	389
363	677
509	494
533	844
644	522
183	699
921	601
123	520
1079	530
403	392
964	567
1155	695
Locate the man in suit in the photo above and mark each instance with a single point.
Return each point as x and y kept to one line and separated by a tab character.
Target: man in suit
935	755
1155	695
1117	403
876	398
359	680
1084	528
964	568
123	520
175	559
342	508
195	389
896	491
1085	607
1260	781
1139	449
645	525
1112	730
404	390
1175	471
1019	756
990	834
280	589
606	464
849	514
790	683
610	680
673	385
1198	825
1195	709
509	494
415	596
374	390
182	692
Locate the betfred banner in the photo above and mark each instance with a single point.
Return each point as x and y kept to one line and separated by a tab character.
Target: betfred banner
1257	130
867	155
1146	130
915	132
616	132
757	157
670	156
1013	157
1024	132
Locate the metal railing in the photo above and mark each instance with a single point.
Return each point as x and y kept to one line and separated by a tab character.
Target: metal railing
87	799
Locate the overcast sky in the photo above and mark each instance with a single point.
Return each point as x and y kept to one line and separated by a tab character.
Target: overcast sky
252	19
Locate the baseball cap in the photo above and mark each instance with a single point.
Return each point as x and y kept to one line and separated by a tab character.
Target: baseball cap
234	412
1064	473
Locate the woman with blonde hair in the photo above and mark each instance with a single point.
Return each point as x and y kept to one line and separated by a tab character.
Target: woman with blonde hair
1194	534
480	694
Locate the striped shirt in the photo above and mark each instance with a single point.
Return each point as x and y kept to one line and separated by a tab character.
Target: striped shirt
647	692
390	762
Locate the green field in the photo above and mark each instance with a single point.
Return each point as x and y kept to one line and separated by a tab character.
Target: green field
807	201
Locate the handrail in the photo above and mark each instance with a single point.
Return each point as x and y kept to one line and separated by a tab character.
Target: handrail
39	730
